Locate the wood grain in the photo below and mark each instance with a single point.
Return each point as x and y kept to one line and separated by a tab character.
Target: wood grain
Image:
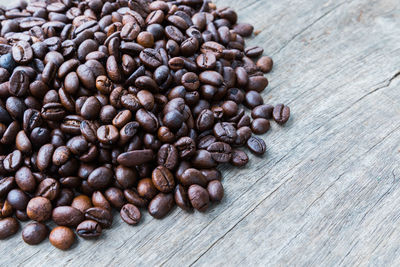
327	192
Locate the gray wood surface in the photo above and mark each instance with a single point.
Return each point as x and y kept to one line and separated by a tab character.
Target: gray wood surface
327	193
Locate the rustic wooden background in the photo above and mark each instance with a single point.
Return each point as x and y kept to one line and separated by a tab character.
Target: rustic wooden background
327	192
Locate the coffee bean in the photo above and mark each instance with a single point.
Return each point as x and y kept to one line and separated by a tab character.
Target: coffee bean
62	237
115	197
22	52
220	152
99	200
100	215
34	233
198	197
19	83
100	177
281	113
256	145
260	126
135	157
8	227
81	203
39	209
161	205
130	214
192	176
89	229
67	216
163	179
225	132
215	191
17	199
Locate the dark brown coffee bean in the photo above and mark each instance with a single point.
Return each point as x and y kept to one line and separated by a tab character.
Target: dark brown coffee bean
225	132
254	51
89	229
133	197
100	178
13	161
161	205
17	199
256	145
206	61
22	52
115	197
44	156
281	113
253	99
244	29
147	120
181	198
192	176
130	214
257	83
198	197
48	188
215	191
108	134
265	64
99	200
19	83
260	126
186	147
262	111
39	209
135	157
100	215
220	152
211	174
34	233
211	77
6	184
62	237
8	227
67	216
163	179
25	180
146	188
150	58
168	156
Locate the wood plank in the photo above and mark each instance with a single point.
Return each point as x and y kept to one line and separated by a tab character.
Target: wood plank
327	192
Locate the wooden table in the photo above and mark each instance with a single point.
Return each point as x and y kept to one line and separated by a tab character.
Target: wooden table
326	193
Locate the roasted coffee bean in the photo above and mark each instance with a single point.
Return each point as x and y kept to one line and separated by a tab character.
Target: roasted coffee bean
100	177
220	151
260	126
262	111
89	229
146	188
215	190
225	132
265	64
135	157
17	199
161	205
115	197
62	237
81	203
13	161
168	156
256	145
8	227
198	197
67	216
130	214
34	233
48	188
281	113
253	99
39	209
181	198
163	179
19	83
100	215
99	200
192	176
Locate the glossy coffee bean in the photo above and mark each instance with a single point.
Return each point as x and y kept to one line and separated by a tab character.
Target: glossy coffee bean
265	64
67	216
8	227
198	197
100	215
130	214
34	233
161	205
215	190
260	126
256	145
89	229
281	113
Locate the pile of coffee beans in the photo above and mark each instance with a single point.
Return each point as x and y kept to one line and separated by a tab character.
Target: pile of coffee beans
124	104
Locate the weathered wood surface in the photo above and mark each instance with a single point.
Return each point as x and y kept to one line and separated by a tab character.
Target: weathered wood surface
328	191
